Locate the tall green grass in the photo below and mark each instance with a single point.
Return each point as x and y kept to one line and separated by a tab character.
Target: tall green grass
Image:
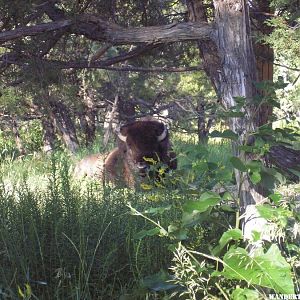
69	242
62	239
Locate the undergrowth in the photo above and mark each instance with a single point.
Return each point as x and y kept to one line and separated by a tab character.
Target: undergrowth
63	242
67	239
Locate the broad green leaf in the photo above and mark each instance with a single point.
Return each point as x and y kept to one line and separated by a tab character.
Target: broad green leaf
256	236
143	233
178	233
216	134
268	269
254	165
224	175
229	134
159	282
231	234
245	294
276	197
226	134
157	210
227	196
212	166
206	200
270	178
238	164
274	214
234	114
191	219
200	166
227	208
240	100
255	177
249	149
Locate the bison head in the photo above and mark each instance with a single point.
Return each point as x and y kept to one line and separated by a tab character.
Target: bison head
143	142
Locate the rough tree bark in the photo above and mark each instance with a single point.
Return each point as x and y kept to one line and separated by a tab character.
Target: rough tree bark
63	122
49	135
18	140
203	125
105	31
229	61
88	114
238	75
264	58
110	119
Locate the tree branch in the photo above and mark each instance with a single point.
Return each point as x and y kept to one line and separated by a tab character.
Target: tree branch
153	69
21	32
95	28
287	67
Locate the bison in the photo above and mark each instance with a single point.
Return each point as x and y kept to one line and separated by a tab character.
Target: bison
90	166
141	144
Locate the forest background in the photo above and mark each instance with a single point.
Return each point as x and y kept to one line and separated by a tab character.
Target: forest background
224	76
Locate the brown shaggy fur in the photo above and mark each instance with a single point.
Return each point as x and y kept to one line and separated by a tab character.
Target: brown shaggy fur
124	163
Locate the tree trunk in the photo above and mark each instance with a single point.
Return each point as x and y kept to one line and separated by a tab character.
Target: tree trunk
238	76
63	122
229	61
208	51
49	135
126	110
18	140
110	118
264	58
88	115
203	125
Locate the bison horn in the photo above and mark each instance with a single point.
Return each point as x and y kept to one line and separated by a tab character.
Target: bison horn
162	136
122	137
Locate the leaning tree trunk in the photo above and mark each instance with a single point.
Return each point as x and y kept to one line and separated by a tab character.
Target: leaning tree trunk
62	121
49	135
88	114
203	124
18	140
110	118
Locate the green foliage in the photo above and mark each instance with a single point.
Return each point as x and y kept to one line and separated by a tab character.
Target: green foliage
230	235
266	266
205	201
81	237
268	269
244	294
63	240
10	100
31	135
226	134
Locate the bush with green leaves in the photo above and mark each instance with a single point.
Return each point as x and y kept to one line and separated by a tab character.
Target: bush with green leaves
213	258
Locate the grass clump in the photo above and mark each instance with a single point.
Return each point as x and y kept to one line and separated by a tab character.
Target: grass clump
64	242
